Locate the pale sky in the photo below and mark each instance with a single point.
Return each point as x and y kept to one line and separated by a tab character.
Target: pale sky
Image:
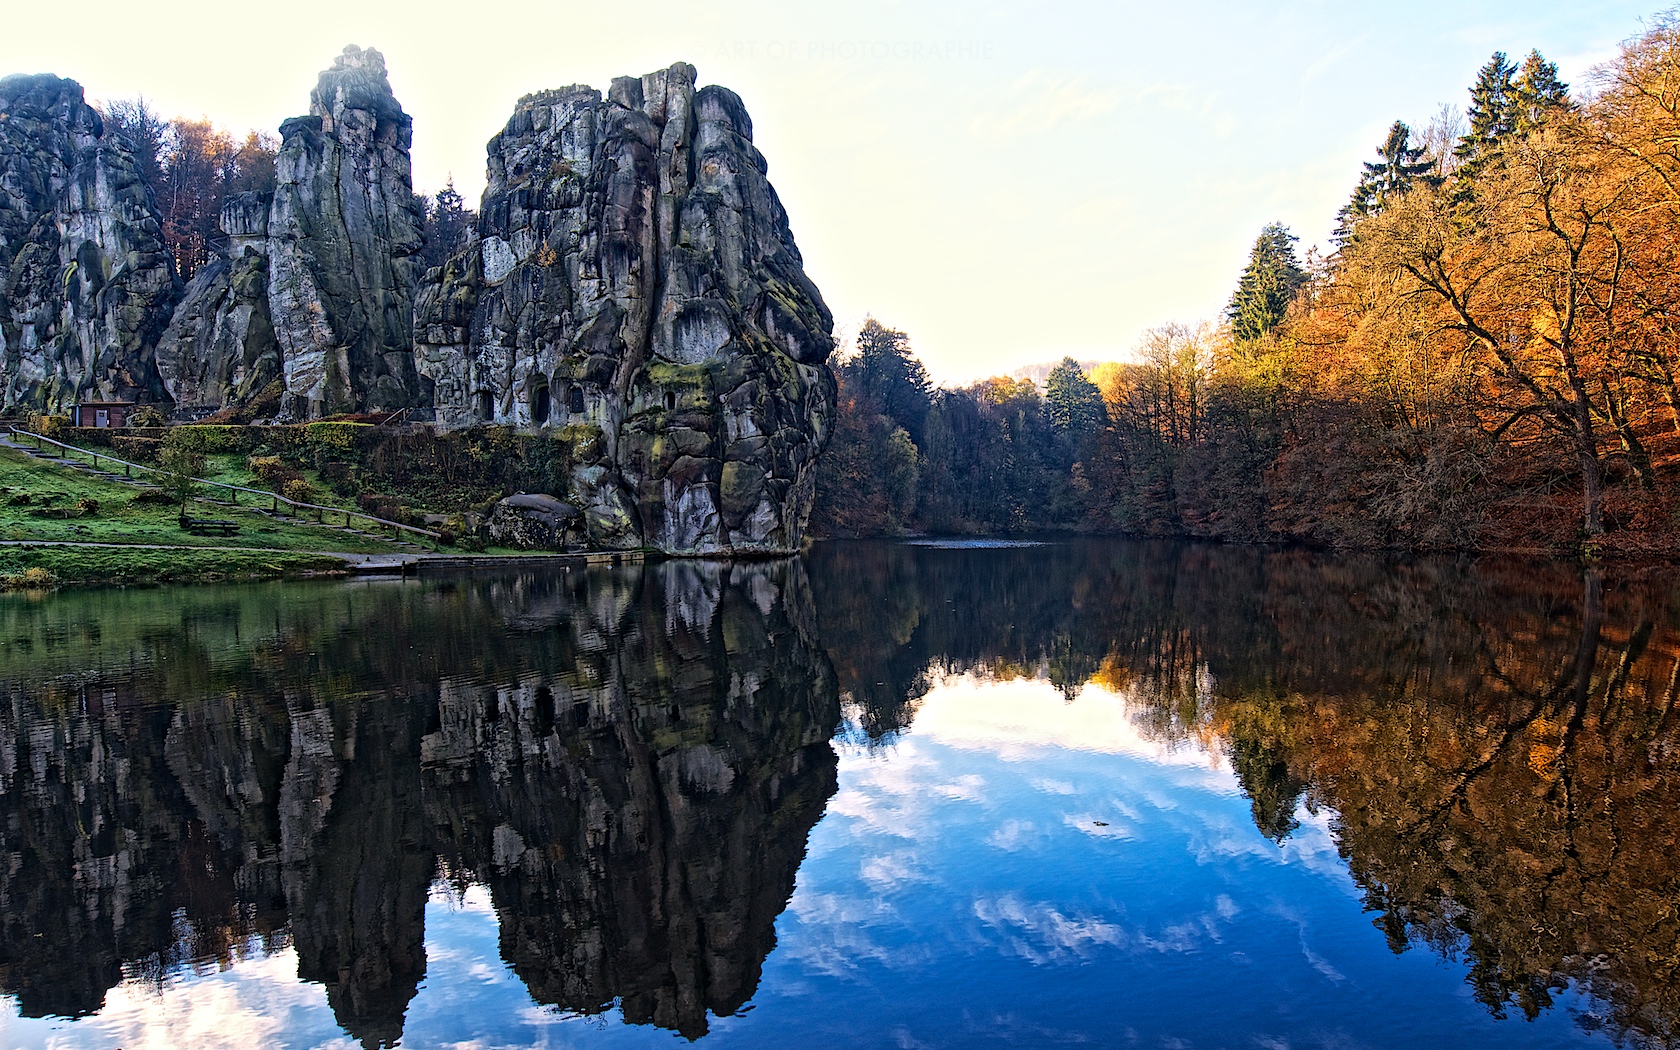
1007	182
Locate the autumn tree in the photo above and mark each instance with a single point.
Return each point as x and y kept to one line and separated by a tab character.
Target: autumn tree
144	131
192	166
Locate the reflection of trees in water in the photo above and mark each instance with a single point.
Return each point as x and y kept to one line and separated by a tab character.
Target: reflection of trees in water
1498	741
630	760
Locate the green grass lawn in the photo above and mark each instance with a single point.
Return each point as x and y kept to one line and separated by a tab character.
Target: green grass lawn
120	518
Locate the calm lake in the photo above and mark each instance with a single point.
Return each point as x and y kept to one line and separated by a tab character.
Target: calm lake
899	795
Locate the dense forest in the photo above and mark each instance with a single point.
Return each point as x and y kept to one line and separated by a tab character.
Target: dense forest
1486	359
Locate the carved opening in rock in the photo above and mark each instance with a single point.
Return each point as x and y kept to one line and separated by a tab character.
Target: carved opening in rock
539	404
485	405
670	400
577	400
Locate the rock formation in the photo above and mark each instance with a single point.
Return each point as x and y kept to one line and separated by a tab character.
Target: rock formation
635	286
632	289
344	234
86	284
318	287
220	348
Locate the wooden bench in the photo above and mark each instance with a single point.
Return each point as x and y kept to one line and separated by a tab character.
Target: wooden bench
209	526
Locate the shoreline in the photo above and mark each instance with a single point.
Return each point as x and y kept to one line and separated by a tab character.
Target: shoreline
34	566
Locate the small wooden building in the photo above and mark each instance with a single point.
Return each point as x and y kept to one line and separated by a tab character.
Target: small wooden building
101	414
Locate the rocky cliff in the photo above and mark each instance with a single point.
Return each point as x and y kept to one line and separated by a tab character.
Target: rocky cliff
633	290
220	348
344	235
317	290
635	286
86	284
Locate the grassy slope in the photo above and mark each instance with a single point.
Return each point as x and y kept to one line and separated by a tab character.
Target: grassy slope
230	469
120	519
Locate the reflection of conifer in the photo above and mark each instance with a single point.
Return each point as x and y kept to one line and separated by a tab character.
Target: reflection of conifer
1266	780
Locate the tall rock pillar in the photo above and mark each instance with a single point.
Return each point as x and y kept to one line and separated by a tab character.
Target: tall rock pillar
344	236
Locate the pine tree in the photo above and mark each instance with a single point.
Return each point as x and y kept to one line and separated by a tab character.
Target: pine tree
1073	403
447	223
886	372
1400	166
1268	284
1537	93
1493	117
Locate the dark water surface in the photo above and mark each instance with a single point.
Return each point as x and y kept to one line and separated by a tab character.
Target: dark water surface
1109	793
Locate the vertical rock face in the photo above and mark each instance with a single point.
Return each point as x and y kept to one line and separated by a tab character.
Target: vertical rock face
342	238
317	291
635	286
220	347
86	284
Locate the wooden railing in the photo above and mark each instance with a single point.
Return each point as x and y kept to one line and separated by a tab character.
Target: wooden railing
274	498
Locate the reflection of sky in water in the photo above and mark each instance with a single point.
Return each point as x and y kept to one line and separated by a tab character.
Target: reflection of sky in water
1015	869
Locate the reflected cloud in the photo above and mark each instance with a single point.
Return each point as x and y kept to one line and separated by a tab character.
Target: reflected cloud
254	1003
1041	933
1024	718
1014	835
889	872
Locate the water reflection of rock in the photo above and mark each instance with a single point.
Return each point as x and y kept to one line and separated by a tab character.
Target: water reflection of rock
631	760
1499	742
640	818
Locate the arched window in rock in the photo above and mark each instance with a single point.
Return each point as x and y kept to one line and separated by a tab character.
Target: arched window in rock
540	404
486	406
577	400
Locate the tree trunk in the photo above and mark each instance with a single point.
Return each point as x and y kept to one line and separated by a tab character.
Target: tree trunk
1592	492
1586	446
1631	445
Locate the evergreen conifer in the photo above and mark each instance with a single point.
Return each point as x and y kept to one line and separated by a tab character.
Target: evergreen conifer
1400	166
1268	283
